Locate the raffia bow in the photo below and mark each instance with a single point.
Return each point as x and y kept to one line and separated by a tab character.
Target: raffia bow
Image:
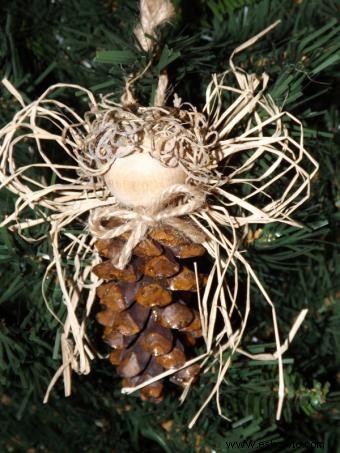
188	199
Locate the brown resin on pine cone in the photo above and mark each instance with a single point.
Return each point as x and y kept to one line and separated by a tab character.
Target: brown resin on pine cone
148	308
183	281
188	250
107	271
175	316
161	266
194	328
156	339
148	247
112	297
153	294
168	237
186	375
173	359
113	338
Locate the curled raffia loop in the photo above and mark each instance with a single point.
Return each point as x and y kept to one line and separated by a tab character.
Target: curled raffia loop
188	200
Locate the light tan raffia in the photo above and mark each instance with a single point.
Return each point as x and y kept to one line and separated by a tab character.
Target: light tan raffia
240	137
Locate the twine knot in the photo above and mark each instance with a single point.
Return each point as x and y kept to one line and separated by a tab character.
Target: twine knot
175	202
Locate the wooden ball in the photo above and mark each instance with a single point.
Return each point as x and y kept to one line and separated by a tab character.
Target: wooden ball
139	179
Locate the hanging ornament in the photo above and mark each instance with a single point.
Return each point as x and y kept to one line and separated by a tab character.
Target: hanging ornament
160	191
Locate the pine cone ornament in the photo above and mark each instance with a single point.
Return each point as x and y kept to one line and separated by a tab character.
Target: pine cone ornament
137	174
149	310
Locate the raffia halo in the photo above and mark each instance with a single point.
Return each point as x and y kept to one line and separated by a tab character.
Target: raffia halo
175	136
244	163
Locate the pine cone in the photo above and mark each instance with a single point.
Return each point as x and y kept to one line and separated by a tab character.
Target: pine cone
149	310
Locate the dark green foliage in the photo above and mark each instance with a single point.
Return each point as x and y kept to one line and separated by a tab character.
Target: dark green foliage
91	43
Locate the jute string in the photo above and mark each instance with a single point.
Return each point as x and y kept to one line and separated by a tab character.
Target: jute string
152	14
139	221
